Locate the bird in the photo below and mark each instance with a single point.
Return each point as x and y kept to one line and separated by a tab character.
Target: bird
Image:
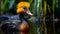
24	13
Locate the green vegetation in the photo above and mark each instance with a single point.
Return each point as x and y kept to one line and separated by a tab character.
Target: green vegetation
41	9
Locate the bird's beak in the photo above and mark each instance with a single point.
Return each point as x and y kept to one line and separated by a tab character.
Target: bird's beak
29	13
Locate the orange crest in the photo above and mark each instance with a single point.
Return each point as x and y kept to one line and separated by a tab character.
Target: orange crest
23	4
20	10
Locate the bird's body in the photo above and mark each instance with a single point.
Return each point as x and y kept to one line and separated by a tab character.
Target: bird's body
18	25
24	27
23	15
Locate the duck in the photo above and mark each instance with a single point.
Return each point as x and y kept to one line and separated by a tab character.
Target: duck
24	14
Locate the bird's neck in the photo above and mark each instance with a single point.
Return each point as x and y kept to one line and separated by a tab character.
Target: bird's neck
22	17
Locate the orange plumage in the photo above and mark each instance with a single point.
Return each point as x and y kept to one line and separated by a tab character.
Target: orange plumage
20	10
24	27
23	4
24	33
20	6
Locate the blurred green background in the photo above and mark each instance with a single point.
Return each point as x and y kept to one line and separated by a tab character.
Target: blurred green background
36	9
48	11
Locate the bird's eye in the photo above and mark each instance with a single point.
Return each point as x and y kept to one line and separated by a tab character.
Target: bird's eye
26	9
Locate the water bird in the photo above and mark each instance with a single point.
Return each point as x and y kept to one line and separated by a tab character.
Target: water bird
24	13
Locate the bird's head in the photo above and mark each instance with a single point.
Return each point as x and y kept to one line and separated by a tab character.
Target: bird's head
23	7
